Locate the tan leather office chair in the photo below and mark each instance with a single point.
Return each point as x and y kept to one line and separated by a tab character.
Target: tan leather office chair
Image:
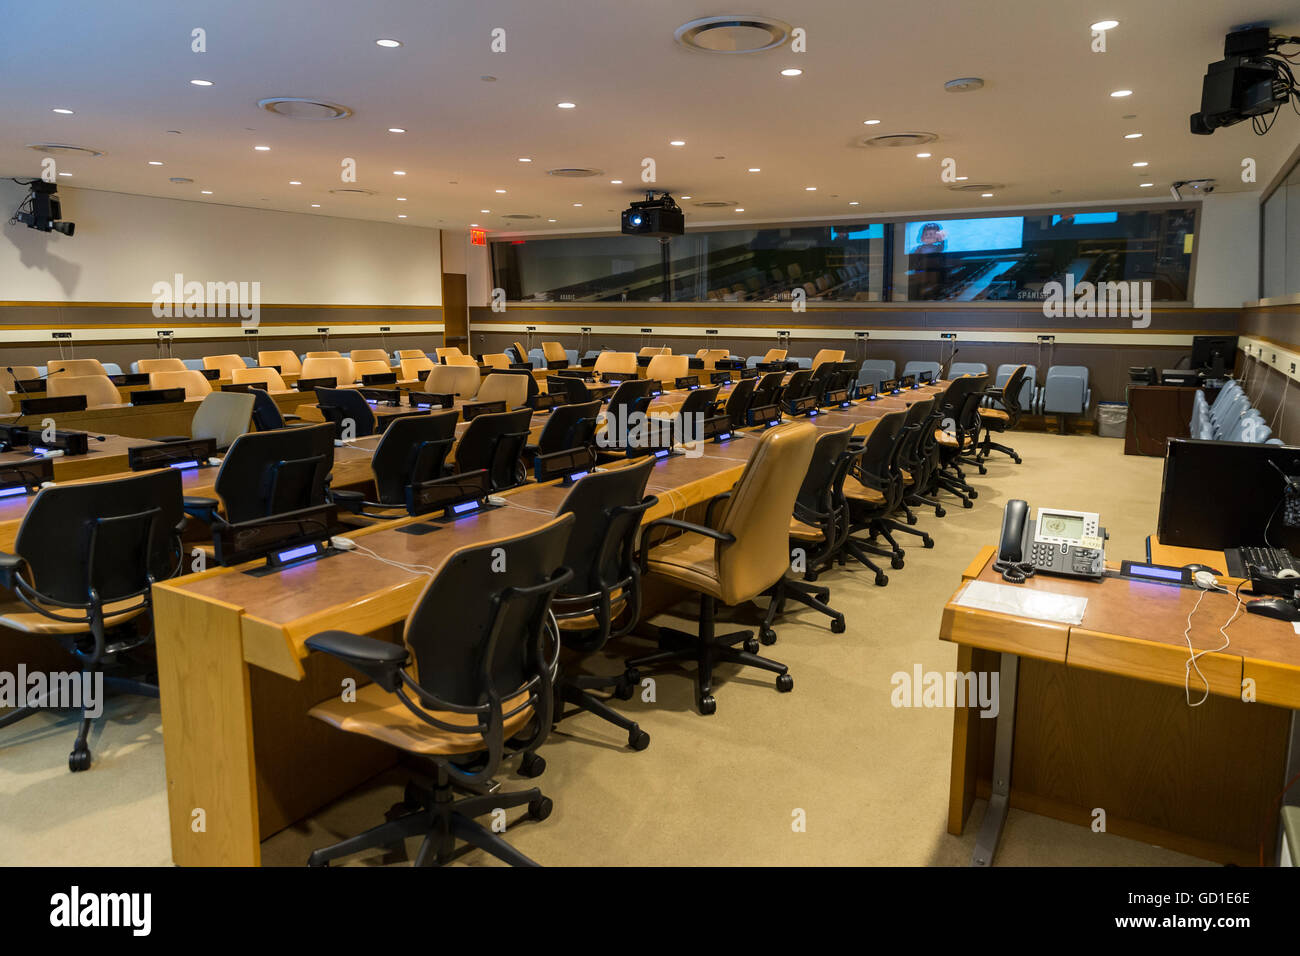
411	354
195	385
160	365
259	376
444	353
655	350
75	367
554	352
6	402
98	389
668	368
338	368
226	364
732	558
284	359
23	373
496	360
774	355
616	364
827	355
522	350
511	389
370	367
328	353
223	417
711	357
413	368
459	380
370	355
466	360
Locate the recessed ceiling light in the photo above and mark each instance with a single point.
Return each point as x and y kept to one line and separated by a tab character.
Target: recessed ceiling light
295	182
552	220
577	204
1102	25
399	172
811	189
1139	165
986	195
922	155
791	72
524	159
754	169
262	149
740	209
686	197
390	44
206	192
473	225
154	162
855	203
616	182
401	199
200	82
485	211
1145	185
677	142
501	190
401	215
1132	135
962	179
315	205
566	105
1121	93
61	110
65	174
871	122
396	129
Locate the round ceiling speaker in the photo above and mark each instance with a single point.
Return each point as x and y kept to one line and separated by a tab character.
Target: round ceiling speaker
964	84
976	187
520	215
714	203
898	140
64	149
180	179
733	34
352	191
574	172
301	107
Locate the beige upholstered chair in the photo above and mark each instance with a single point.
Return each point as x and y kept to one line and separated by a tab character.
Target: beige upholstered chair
160	365
259	376
414	368
75	367
98	389
195	385
223	416
329	353
411	354
774	355
496	360
226	364
336	367
464	360
459	380
827	355
554	352
370	355
668	368
24	373
284	359
711	357
617	364
370	367
655	350
511	389
444	353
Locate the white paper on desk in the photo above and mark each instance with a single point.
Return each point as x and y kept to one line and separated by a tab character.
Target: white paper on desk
1023	602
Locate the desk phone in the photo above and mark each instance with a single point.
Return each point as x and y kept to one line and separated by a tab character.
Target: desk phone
1070	543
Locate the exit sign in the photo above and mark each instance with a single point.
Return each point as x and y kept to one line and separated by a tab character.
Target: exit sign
478	237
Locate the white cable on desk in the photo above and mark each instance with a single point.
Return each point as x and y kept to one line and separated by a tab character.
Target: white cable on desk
1196	655
401	566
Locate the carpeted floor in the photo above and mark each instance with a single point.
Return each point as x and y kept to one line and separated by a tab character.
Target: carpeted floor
871	780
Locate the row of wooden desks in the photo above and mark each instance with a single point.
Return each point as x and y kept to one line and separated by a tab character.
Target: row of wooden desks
1093	722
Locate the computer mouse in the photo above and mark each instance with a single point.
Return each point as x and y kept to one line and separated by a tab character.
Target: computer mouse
1202	567
1274	608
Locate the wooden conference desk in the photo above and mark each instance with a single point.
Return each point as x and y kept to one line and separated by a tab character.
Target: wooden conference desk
1157	413
103	458
1094	716
236	680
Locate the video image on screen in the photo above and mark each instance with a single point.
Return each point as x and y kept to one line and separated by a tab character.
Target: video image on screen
928	237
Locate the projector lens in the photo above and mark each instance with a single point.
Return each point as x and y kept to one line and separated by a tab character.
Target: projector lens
636	220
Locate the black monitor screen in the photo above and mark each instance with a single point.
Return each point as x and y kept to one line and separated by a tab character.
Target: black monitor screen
1214	351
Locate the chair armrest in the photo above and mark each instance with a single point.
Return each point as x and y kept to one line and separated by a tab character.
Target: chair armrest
713	503
381	661
205	509
688	526
10	565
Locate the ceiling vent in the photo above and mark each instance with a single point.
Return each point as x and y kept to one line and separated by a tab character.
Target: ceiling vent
180	179
520	215
574	172
715	203
964	84
63	149
898	140
733	34
976	187
352	191
301	107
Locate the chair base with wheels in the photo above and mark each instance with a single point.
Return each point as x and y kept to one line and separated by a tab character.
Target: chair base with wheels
435	812
809	595
576	689
707	649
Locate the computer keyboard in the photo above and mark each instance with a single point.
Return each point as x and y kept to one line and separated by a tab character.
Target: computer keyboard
1241	561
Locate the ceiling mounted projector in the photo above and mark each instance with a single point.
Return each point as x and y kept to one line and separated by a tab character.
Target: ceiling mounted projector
654	217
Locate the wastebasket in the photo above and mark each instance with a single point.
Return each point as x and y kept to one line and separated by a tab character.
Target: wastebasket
1111	419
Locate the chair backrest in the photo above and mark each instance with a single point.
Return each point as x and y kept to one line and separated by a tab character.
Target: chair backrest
631	396
370	355
916	368
98	389
266	414
414	368
340	369
258	376
23	373
285	359
459	380
774	355
511	389
554	352
616	363
269	473
798	385
520	353
412	449
160	365
195	385
342	405
827	355
758	513
699	402
6	403
655	350
768	389
574	389
495	442
225	363
66	559
491	360
223	416
958	369
711	357
476	630
411	354
446	352
875	371
569	426
327	353
370	367
75	367
1011	390
738	401
667	368
878	449
820	498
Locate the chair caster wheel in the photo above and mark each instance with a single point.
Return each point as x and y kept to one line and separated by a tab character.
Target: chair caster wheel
708	705
983	470
751	645
940	512
312	861
837	625
632	677
927	542
785	683
810	576
624	691
79	760
973	494
767	636
911	519
1016	459
967	503
540	808
638	739
896	562
823	594
882	580
532	765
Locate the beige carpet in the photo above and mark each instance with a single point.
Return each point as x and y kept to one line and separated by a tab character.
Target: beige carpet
871	780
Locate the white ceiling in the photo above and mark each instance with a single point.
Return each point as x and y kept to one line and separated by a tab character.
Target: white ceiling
1044	124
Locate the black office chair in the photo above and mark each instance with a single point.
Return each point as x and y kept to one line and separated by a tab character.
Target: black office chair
629	398
341	405
872	489
1001	415
605	587
567	426
738	401
573	388
269	473
818	527
411	450
913	468
495	442
768	390
84	564
799	385
482	676
267	416
533	390
961	430
702	402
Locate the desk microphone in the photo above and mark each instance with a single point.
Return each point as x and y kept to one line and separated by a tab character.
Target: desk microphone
943	372
22	389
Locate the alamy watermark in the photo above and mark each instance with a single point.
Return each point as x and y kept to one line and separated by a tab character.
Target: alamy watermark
179	299
56	689
1098	300
637	430
953	689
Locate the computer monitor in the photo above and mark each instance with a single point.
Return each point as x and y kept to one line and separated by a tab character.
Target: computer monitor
1214	353
1219	494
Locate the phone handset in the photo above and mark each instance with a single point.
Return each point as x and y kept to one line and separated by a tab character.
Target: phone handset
1013	545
